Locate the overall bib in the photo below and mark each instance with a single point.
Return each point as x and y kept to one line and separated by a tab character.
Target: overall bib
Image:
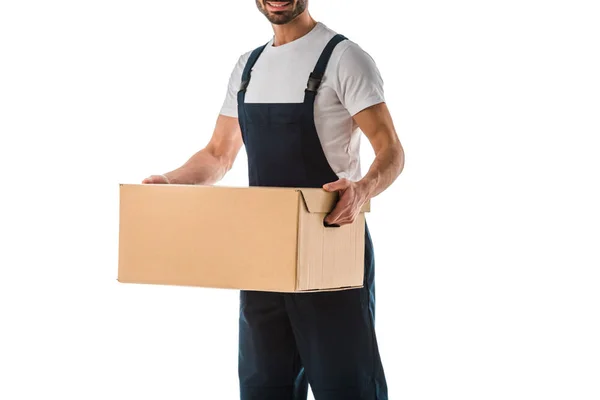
286	340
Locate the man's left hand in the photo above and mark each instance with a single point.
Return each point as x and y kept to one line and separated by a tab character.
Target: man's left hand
353	195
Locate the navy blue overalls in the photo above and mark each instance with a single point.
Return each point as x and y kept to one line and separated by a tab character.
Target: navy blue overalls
288	340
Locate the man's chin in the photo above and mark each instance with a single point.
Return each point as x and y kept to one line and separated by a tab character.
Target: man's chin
279	19
276	22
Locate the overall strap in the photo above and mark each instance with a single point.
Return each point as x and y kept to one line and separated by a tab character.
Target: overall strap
315	78
249	65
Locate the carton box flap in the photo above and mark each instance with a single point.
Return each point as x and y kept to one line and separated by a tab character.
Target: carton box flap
321	201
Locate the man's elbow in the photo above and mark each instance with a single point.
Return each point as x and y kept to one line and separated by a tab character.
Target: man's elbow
395	148
399	155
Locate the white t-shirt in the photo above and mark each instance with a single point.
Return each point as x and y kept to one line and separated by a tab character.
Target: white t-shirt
350	84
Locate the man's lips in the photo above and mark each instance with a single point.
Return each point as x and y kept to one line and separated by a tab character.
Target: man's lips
278	5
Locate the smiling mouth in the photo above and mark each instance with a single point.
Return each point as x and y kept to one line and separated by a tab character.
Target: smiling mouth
278	5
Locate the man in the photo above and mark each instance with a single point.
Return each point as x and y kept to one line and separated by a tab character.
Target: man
298	105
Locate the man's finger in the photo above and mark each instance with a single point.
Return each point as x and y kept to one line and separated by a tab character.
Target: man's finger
345	221
342	208
341	220
340	184
338	214
333	216
154	179
330	219
341	215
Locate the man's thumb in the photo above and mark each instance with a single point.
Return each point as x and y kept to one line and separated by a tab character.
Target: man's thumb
334	186
155	179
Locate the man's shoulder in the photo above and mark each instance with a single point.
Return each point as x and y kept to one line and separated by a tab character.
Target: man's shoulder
245	56
347	50
351	51
243	59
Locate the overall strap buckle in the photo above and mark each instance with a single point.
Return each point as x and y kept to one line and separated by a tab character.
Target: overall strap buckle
314	81
248	68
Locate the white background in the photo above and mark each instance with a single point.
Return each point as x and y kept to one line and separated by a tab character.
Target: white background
487	247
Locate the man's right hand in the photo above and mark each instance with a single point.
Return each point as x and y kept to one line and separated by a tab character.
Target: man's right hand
156	179
209	165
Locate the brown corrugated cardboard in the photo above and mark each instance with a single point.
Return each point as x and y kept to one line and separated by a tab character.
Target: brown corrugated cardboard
270	239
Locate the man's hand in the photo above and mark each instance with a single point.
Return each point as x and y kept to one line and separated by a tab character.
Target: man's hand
156	179
209	165
353	196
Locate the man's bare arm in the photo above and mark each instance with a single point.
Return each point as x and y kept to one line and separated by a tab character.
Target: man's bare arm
376	123
210	164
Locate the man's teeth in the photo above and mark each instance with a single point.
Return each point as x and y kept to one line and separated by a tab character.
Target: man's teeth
277	5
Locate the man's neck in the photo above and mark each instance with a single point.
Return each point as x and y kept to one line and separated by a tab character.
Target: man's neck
293	30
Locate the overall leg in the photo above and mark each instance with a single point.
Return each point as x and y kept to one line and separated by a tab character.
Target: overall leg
336	339
269	363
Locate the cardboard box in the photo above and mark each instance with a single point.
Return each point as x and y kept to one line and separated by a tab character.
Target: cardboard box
252	238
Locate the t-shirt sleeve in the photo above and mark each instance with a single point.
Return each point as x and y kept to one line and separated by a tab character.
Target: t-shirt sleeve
229	107
360	84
